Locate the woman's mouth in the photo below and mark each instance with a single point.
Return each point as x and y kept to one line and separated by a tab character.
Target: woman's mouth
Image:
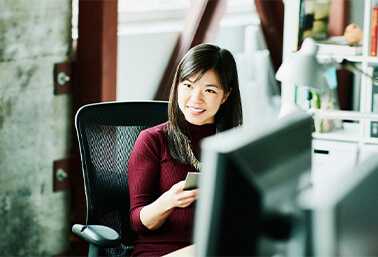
196	110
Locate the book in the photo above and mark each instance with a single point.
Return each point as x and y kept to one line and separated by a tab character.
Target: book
337	45
374	106
313	20
374	31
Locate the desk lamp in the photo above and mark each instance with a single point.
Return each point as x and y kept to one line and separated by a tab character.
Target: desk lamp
304	69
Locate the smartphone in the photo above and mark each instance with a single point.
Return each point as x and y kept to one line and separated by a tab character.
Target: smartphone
191	181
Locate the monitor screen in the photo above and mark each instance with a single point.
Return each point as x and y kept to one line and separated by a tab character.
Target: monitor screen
343	213
250	179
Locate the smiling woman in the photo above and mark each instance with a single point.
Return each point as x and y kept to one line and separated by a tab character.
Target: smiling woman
200	97
204	100
220	69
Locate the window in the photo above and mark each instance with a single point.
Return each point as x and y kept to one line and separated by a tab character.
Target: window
141	15
148	10
144	13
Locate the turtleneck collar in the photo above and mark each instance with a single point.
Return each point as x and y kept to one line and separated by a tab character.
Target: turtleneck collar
197	133
200	131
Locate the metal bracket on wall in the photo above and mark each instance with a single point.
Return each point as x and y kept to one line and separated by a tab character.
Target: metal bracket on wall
63	78
62	174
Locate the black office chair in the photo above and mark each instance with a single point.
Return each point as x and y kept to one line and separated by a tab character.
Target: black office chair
107	133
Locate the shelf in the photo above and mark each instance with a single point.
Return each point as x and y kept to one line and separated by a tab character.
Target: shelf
371	60
351	58
323	58
349	132
358	132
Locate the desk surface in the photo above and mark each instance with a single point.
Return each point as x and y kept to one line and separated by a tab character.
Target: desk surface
188	251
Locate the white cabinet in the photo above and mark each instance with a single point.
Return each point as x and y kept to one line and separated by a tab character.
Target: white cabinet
332	159
335	159
367	150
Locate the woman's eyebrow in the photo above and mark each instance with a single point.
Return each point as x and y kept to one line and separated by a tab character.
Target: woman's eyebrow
212	85
207	85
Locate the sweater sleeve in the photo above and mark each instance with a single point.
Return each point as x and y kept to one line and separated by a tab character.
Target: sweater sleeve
144	173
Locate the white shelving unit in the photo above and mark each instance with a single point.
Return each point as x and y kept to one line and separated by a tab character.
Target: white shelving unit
356	132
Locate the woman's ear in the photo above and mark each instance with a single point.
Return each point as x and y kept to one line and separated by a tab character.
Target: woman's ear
226	96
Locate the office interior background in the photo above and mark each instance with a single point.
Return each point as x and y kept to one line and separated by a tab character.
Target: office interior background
37	138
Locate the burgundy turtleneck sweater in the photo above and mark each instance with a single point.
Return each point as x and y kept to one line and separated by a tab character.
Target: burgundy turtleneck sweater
153	171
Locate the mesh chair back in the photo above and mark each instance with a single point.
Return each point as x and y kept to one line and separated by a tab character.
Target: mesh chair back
106	134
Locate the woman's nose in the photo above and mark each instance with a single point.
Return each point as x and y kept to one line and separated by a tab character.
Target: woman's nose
197	95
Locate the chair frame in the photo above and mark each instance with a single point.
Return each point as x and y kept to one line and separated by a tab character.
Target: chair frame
97	235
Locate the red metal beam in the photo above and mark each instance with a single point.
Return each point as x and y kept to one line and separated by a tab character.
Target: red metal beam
271	14
200	26
96	52
95	81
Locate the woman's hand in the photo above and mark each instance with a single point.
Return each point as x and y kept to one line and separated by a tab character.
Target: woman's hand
155	214
179	197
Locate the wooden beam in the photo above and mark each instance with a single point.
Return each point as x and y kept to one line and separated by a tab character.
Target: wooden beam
200	26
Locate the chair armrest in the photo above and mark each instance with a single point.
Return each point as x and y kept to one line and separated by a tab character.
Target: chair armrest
100	236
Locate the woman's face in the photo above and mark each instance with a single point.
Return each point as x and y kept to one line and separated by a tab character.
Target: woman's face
199	101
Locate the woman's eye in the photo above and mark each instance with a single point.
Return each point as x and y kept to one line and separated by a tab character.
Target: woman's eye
211	91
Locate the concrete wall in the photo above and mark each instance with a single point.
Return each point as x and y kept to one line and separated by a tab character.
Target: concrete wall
35	127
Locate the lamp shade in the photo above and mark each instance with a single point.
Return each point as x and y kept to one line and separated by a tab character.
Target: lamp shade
303	69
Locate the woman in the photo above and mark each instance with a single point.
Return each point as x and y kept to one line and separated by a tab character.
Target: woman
204	100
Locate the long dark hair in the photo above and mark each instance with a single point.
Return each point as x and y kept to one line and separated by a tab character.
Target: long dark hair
202	58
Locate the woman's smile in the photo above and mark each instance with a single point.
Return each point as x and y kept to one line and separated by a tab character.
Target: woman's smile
196	110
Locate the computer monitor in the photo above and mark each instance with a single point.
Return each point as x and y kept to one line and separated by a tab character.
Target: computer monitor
343	213
249	182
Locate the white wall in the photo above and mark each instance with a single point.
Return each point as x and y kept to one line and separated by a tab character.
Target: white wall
142	59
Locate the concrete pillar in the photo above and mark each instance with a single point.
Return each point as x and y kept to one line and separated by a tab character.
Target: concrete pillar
36	127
